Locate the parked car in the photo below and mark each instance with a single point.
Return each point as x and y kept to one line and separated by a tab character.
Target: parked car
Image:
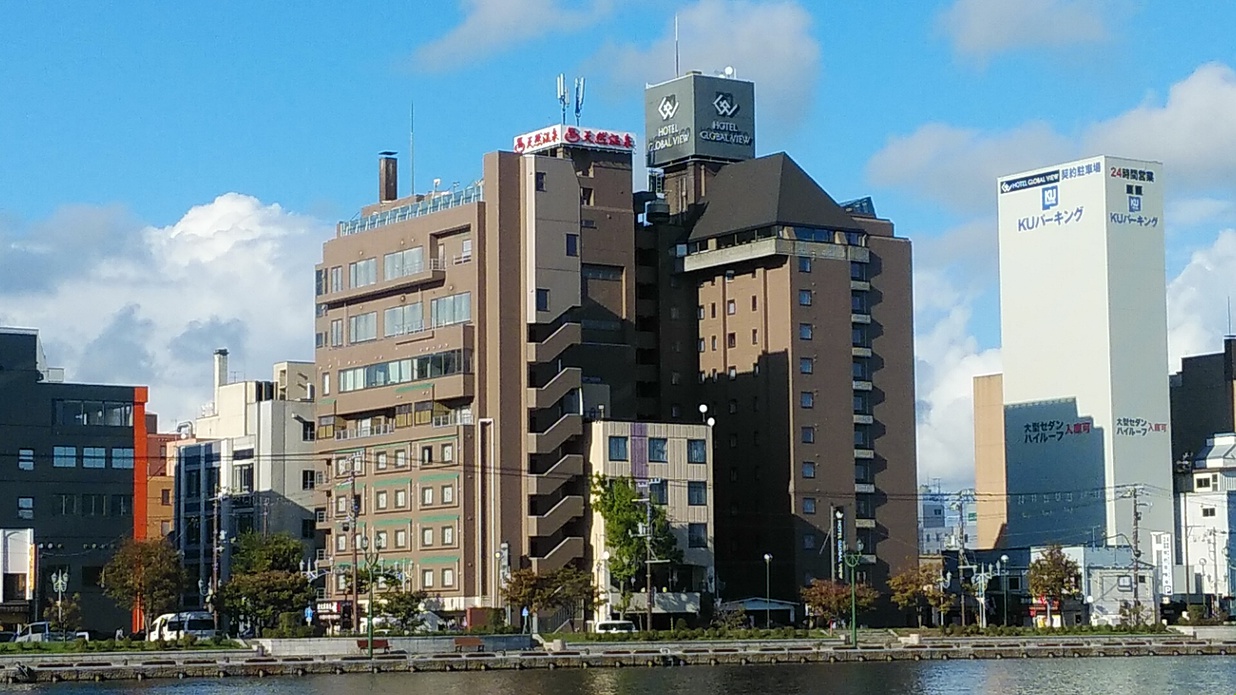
173	626
613	626
42	632
7	636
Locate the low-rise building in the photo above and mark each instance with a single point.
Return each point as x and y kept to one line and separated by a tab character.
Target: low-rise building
1205	504
16	570
671	466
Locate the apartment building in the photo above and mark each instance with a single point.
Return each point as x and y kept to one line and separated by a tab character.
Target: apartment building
671	465
463	336
69	456
790	323
248	466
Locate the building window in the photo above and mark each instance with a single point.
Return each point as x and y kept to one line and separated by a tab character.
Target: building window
658	492
25	459
452	309
858	302
448	577
403	263
540	185
427	575
426	537
448	454
401	458
64	457
426	455
808	469
448	535
572	245
363	273
804	264
731	340
804	297
401	320
401	538
808	541
617	448
448	494
859	337
401	499
363	327
862	402
805	331
426	496
713	342
732	372
731	307
754	303
1203	481
807	399
858	271
94	505
542	300
341	542
755	336
697	493
712	309
697	451
379	540
1208	511
861	369
381	500
585	195
25	507
697	535
94	457
733	440
658	450
308	479
808	505
862	436
806	365
336	333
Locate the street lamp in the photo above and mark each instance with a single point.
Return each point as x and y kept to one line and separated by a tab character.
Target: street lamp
704	412
371	566
852	558
767	589
1004	587
609	611
60	584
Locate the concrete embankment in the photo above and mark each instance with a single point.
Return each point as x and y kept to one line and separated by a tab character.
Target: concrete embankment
235	664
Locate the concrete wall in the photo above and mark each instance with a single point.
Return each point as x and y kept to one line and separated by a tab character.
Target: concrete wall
412	645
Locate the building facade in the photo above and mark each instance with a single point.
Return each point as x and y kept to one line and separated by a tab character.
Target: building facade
250	467
1203	395
17	551
1084	344
801	347
671	465
1205	514
69	457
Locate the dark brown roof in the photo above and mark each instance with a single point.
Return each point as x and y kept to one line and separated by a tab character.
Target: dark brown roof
766	191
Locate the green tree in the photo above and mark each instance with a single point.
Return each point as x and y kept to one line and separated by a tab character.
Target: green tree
616	500
259	597
255	552
64	615
910	589
1053	577
145	574
568	587
403	606
830	600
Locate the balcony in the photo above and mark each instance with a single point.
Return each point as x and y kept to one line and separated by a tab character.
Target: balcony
567	426
864	523
364	432
568	334
553	391
453	418
567	467
547	524
860	419
864	488
860	285
860	318
663	602
864	453
861	385
570	548
860	351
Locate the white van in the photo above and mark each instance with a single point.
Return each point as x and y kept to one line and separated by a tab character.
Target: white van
173	626
612	627
42	632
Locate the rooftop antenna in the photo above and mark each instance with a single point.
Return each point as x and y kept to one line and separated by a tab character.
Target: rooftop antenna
1229	318
562	95
579	98
412	146
676	70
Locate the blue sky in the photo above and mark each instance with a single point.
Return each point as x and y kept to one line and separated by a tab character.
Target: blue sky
163	164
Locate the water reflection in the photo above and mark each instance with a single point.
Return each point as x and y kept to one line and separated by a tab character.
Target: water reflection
1115	676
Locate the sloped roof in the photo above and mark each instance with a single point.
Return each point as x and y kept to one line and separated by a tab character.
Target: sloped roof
765	191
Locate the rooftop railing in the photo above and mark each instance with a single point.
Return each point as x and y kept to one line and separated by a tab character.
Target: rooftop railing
442	200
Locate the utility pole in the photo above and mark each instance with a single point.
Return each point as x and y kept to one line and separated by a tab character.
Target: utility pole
648	557
353	514
962	562
1134	492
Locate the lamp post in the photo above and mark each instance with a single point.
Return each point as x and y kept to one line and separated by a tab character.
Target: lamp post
60	584
1004	587
371	566
767	590
852	558
703	412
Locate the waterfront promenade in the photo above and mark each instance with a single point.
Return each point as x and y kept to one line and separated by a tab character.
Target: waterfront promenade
240	663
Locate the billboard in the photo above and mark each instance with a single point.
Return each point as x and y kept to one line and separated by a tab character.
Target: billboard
573	136
699	116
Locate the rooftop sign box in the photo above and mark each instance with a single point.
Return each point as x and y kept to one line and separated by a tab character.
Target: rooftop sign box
573	136
699	116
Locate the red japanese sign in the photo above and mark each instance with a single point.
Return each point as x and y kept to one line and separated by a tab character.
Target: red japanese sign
574	136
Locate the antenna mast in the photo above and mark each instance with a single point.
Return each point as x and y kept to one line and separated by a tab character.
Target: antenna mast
562	96
1229	317
579	98
676	70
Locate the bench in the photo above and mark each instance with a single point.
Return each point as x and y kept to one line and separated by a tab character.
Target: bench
378	644
473	643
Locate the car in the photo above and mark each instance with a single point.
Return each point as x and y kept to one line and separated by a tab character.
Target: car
173	626
7	636
42	632
613	627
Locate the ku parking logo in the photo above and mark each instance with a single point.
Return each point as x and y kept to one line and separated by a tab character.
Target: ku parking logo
1051	197
1135	203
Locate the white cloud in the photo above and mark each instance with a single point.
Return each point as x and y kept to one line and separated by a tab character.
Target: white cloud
980	29
117	302
1196	299
1193	132
947	360
490	26
767	41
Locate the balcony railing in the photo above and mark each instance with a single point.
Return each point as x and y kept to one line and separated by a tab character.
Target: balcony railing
443	200
362	432
452	419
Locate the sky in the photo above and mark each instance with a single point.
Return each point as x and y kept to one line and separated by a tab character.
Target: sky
168	171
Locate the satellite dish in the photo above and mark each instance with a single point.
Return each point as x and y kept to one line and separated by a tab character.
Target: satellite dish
729	71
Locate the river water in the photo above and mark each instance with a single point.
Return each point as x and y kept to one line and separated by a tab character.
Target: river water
1117	676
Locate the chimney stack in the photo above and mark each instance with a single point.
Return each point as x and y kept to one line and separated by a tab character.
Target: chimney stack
220	367
388	177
